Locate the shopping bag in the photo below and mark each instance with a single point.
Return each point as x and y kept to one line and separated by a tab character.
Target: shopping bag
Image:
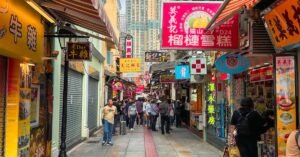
234	151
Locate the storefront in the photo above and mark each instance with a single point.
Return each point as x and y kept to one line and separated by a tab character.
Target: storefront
26	84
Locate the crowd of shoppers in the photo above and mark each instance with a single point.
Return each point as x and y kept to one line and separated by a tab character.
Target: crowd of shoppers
144	112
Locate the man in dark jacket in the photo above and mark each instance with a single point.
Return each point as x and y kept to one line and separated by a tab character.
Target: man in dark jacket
164	114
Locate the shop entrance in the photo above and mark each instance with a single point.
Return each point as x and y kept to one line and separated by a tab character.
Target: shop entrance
3	80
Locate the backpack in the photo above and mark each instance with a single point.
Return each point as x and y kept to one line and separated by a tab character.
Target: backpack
243	127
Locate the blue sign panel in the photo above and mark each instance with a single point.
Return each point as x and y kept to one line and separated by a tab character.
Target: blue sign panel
232	64
182	72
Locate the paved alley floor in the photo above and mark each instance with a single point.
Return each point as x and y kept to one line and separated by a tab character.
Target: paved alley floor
145	143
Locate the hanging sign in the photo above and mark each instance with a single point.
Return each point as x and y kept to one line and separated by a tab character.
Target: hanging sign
184	23
261	74
182	72
232	64
285	100
21	31
129	46
130	65
79	51
167	79
117	85
283	23
157	56
198	66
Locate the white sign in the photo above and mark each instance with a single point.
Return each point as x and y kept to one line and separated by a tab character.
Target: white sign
198	66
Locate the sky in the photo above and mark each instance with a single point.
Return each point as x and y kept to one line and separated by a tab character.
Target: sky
123	3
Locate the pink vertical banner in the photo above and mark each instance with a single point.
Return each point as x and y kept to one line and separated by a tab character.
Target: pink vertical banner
184	23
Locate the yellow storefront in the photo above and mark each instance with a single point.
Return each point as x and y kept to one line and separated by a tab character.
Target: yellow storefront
21	48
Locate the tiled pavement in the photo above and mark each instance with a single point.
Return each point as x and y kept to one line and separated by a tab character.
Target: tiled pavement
180	143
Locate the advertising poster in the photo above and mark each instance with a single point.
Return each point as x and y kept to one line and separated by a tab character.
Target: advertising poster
285	100
184	23
12	110
284	23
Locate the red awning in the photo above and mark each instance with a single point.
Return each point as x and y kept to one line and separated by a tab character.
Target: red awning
228	9
88	14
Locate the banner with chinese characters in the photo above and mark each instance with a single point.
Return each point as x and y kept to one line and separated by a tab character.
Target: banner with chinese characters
167	79
283	23
130	65
286	107
129	46
184	23
210	101
157	56
21	31
182	72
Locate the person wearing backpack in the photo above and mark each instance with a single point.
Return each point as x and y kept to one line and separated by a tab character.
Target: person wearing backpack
293	144
248	125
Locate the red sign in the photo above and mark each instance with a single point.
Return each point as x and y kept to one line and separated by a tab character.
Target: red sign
117	86
140	89
261	74
183	27
129	46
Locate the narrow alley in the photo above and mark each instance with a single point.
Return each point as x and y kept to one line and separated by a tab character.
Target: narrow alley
145	143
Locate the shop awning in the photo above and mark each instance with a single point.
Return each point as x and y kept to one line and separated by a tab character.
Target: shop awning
228	9
88	14
108	73
162	66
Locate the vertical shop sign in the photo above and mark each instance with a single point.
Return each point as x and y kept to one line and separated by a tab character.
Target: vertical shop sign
283	23
129	46
182	72
285	100
211	103
184	23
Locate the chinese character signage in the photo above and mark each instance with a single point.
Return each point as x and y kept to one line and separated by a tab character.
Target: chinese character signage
232	64
198	66
130	65
183	27
283	23
182	72
167	79
79	51
157	56
285	100
129	46
21	31
261	74
210	101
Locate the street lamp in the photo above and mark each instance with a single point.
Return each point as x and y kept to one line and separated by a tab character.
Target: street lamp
65	37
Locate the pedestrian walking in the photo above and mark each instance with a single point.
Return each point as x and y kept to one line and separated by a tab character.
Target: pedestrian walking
178	113
139	108
172	113
248	125
147	110
108	113
164	113
132	113
154	111
117	116
293	144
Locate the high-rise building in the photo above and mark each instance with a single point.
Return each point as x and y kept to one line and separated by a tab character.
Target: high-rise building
143	23
123	25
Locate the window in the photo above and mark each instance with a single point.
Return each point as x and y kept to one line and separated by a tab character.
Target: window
109	58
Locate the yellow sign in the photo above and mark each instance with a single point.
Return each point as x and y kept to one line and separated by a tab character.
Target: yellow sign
21	31
130	65
283	23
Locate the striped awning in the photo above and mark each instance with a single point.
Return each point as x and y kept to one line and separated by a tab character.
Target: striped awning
228	9
88	14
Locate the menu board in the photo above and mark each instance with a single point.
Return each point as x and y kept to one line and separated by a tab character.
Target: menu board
285	100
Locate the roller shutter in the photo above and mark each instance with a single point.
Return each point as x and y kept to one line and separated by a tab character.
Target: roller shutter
74	107
92	104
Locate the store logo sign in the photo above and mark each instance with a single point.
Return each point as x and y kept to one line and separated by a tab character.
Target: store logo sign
182	72
232	64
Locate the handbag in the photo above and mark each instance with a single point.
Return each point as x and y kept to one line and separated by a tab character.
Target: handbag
226	152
